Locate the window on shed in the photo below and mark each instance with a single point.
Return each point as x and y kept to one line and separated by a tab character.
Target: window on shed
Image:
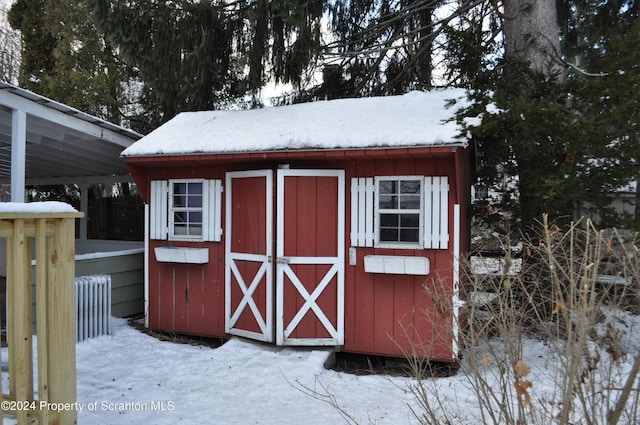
399	211
186	209
186	206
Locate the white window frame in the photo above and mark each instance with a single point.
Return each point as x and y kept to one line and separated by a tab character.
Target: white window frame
377	211
203	211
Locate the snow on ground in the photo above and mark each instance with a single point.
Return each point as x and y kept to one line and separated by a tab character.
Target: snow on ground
130	377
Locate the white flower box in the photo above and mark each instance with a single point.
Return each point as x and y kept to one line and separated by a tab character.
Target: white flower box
390	264
174	254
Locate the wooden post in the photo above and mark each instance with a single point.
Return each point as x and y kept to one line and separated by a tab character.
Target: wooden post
61	319
12	387
20	344
42	317
55	315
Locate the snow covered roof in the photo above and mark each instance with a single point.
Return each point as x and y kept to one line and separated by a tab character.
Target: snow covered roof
414	119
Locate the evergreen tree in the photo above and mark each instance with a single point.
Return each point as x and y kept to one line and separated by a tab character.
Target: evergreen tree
568	135
610	103
211	53
184	52
471	46
66	58
522	142
38	43
89	74
378	48
285	40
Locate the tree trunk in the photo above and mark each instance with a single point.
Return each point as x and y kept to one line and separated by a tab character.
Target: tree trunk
531	34
636	208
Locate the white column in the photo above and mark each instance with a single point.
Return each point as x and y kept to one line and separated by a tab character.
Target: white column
146	265
456	302
84	207
18	154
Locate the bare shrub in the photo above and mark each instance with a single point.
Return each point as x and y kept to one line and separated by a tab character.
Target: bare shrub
570	293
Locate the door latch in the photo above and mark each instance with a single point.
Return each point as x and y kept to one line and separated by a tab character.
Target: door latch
282	260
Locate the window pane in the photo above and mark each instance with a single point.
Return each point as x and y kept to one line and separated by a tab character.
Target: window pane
194	201
180	229
410	220
179	188
195	188
388	186
389	220
195	230
195	217
410	202
388	202
179	201
409	235
389	235
410	186
180	217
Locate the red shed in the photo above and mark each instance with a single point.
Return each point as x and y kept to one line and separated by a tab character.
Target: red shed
336	223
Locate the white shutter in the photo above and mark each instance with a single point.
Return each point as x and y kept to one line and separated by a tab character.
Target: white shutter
213	210
362	233
436	205
159	209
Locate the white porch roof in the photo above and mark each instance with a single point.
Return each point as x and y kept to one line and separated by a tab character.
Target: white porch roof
44	142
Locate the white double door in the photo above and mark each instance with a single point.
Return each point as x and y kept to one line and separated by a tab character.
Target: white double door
295	297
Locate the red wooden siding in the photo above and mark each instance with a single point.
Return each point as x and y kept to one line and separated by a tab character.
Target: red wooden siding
384	314
391	314
187	298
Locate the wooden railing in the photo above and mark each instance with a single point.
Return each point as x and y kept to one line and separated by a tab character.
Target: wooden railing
51	236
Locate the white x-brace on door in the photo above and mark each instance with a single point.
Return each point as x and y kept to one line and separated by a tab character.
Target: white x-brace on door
310	257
